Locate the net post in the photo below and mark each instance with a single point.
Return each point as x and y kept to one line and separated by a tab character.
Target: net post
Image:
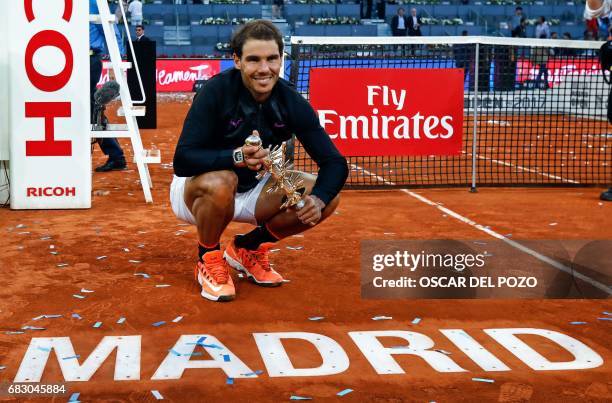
475	112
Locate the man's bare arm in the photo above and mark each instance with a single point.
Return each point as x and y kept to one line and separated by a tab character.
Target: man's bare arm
594	4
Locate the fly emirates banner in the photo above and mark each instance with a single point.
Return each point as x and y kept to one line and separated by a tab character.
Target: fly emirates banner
390	112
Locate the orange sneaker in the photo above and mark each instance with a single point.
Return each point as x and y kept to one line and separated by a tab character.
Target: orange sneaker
213	275
254	263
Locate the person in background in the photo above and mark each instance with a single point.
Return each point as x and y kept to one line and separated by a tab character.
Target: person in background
135	10
414	23
381	9
540	57
542	28
517	18
97	47
399	24
520	31
594	9
463	55
140	34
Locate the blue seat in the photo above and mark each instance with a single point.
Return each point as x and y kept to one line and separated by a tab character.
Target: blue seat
347	10
496	11
467	13
442	30
157	9
175	50
445	11
228	11
323	10
338	30
297	12
364	30
537	11
473	30
204	34
170	19
199	11
249	11
155	32
310	30
204	50
224	32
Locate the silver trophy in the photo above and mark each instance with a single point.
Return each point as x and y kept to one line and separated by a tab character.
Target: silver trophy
284	178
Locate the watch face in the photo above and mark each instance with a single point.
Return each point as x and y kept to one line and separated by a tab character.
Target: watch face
238	157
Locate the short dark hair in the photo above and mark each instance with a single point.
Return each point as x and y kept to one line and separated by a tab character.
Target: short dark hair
256	29
140	26
518	8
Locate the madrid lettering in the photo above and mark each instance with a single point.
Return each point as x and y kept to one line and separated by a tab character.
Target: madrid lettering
377	126
205	351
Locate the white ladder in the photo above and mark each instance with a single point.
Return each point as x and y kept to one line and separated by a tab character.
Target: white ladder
130	130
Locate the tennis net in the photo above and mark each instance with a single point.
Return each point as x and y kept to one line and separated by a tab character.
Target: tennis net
534	110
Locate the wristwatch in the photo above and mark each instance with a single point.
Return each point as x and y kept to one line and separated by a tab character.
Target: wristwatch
238	157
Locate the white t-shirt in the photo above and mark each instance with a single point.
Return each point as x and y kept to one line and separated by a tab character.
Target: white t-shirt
400	23
135	8
605	8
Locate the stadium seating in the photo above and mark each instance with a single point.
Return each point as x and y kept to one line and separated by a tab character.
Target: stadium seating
481	19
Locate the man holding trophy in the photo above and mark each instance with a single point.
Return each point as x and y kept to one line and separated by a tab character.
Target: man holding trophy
230	164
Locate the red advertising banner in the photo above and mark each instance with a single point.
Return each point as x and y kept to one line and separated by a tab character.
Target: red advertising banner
390	112
178	75
558	69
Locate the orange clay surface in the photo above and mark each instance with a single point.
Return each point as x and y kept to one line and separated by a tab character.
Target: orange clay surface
325	281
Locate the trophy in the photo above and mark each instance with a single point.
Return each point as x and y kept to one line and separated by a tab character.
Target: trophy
285	179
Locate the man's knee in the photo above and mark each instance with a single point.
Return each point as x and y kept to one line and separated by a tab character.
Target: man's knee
221	185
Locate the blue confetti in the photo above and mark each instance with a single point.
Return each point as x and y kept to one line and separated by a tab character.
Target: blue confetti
157	395
258	372
173	351
212	346
294	397
316	318
74	397
604	318
229	381
416	321
578	323
157	324
97	324
344	392
46	349
121	320
226	357
483	380
76	316
607	313
72	357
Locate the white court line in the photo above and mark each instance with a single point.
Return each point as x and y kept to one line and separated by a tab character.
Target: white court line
522	168
488	231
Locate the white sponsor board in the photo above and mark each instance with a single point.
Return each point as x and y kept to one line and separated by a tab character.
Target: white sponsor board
4	137
583	96
48	46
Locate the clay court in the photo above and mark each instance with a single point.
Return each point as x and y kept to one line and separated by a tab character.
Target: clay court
109	248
